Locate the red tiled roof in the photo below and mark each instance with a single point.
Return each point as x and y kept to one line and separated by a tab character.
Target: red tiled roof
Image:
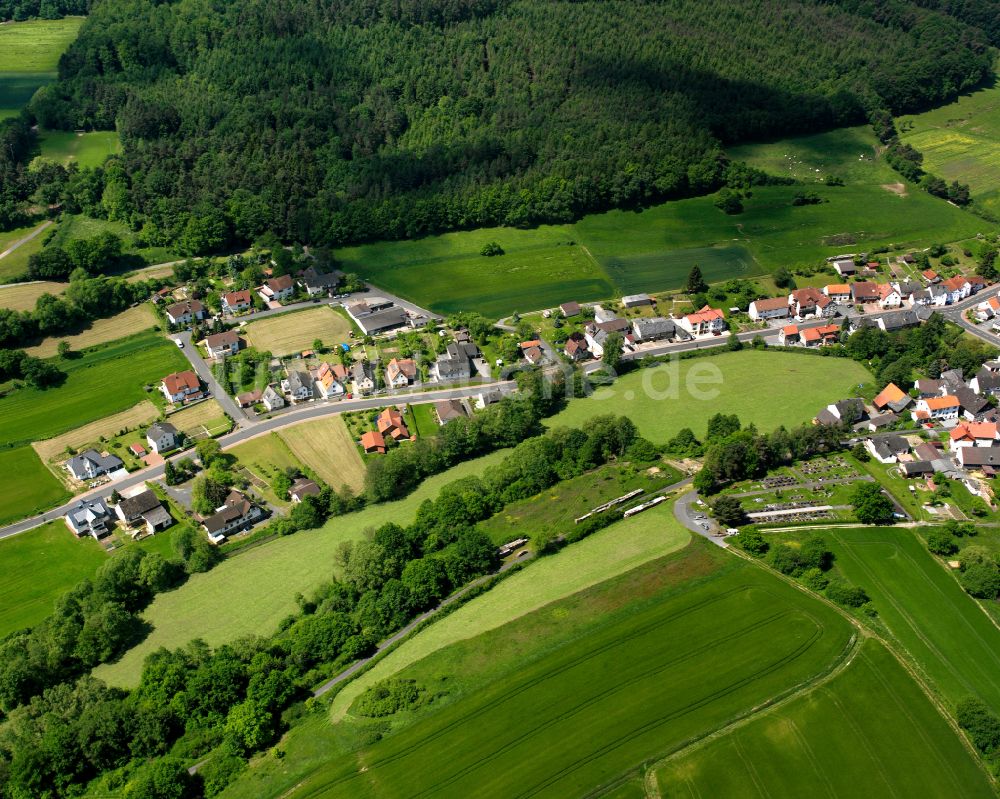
891	393
179	382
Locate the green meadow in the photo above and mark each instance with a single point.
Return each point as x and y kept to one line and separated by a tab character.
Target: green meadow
29	55
29	487
84	149
870	731
666	398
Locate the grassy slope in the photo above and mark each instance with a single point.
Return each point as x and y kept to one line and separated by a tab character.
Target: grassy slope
131	320
325	446
38	566
28	486
84	149
253	591
829	742
23	296
750	380
567	716
29	55
101	382
946	633
15	264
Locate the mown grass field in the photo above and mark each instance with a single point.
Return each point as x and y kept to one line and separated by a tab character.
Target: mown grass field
29	487
84	149
128	322
23	296
287	334
38	566
253	591
961	141
869	731
325	446
52	449
945	632
204	420
14	264
29	55
766	388
103	381
566	717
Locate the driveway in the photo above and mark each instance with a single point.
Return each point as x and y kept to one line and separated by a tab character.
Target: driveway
204	371
685	510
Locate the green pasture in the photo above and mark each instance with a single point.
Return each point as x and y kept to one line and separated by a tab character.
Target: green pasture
15	264
768	389
71	227
562	716
38	566
17	89
85	149
952	641
870	731
35	45
252	591
103	381
29	487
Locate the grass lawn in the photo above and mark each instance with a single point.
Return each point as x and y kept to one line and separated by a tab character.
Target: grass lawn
204	420
101	382
71	227
141	414
661	401
422	420
946	633
870	726
29	487
38	566
266	456
35	45
293	332
129	321
84	149
568	700
325	446
252	591
16	263
23	296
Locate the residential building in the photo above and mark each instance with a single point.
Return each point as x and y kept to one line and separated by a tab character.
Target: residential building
881	421
705	322
162	436
973	434
976	283
888	297
820	336
974	407
237	515
234	302
400	372
932	296
221	345
984	459
958	289
807	302
91	463
489	397
303	488
363	378
847	411
144	510
456	362
277	288
576	347
89	517
636	300
533	355
928	388
986	382
893	398
789	336
930	276
887	449
987	309
390	423
838	292
602	314
890	323
449	410
377	314
317	283
926	451
330	380
298	385
936	408
570	309
186	312
271	399
373	443
656	328
916	468
907	288
863	291
181	387
845	267
249	398
775	308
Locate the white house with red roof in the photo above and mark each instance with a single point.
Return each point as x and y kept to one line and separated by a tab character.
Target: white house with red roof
808	302
706	322
775	308
973	434
277	288
936	409
888	297
234	302
987	309
181	387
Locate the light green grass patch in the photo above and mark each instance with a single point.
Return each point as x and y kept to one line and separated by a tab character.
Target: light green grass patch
15	264
604	555
870	726
38	566
28	486
764	388
252	591
35	45
85	149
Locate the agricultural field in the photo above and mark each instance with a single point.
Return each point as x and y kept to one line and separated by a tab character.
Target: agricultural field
29	55
660	402
84	149
553	511
54	449
206	419
23	296
325	446
28	486
556	704
252	591
961	141
953	642
103	381
870	726
39	565
130	321
291	333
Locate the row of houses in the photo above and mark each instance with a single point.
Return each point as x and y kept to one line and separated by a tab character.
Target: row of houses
91	464
140	511
591	343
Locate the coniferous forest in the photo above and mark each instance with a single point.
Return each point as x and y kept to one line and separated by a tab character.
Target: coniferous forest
343	121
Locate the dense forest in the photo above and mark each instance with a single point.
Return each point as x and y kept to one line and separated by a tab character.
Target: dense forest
19	10
341	121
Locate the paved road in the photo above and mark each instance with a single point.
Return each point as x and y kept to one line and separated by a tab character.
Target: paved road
685	510
296	414
36	232
204	371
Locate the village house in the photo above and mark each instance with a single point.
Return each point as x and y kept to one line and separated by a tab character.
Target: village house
449	410
987	309
91	463
390	423
271	399
930	276
181	387
234	302
887	449
576	347
400	372
890	323
330	380
186	312
377	314
957	288
89	517
277	288
807	302
249	398
893	398
298	386
456	361
570	309
888	297
883	420
373	443
221	345
838	292
789	336
602	314
845	267
983	459
489	397
162	436
236	515
936	408
302	488
974	407
706	322
821	336
656	328
845	411
762	310
986	382
932	296
973	434
317	283
928	388
863	291
907	288
143	509
363	377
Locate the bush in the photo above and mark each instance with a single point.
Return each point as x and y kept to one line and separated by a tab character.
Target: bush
491	248
941	543
815	580
751	542
975	717
388	697
981	580
847	595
